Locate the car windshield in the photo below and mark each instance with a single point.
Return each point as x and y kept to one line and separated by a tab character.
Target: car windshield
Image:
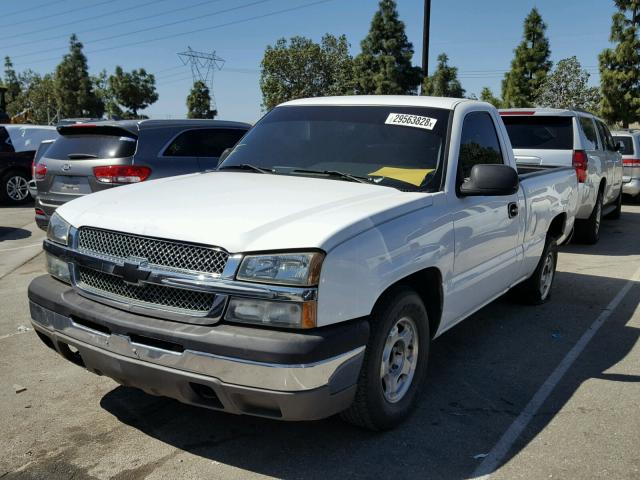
402	147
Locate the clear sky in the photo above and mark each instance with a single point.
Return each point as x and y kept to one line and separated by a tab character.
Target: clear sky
478	35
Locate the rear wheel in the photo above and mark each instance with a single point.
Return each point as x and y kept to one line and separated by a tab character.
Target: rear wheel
537	288
615	214
395	362
588	231
14	188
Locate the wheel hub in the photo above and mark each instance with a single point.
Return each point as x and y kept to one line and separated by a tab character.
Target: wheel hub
17	188
399	359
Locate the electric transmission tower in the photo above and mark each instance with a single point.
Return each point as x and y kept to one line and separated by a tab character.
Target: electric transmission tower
203	66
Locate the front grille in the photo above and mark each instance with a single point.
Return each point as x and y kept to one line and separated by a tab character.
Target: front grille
146	295
161	253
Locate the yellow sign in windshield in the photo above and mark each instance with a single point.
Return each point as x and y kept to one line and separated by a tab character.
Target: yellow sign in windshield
414	176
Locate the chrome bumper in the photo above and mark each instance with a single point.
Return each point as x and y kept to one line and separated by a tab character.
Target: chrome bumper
283	378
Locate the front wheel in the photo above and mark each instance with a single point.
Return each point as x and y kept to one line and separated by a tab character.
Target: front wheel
395	362
588	231
615	214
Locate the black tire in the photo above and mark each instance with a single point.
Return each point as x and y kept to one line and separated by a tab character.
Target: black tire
371	407
12	184
535	290
588	231
615	214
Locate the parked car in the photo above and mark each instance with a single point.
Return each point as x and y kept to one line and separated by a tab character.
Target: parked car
18	144
42	148
89	157
629	141
545	136
307	275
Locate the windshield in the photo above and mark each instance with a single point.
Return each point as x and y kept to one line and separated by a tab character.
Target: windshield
401	147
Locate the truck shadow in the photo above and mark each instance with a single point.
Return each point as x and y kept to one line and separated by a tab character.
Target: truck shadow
482	373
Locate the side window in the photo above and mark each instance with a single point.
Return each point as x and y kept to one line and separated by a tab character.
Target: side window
205	142
184	145
5	141
611	145
214	142
589	130
479	143
603	135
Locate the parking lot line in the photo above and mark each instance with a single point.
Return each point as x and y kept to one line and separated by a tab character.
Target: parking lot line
39	244
501	449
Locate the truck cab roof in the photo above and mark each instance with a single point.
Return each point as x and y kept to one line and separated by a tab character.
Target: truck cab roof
395	100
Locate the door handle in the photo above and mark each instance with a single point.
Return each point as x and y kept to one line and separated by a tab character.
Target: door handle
512	209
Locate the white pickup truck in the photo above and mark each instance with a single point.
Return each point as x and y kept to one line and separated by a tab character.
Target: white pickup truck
308	274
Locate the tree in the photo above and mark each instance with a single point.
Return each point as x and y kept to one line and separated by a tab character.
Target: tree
199	101
384	65
620	66
12	84
302	68
106	95
444	81
568	87
529	66
486	95
72	85
37	100
134	90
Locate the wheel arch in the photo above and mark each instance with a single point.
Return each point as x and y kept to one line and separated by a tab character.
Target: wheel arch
557	226
427	283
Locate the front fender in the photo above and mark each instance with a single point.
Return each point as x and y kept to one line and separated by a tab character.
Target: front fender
356	272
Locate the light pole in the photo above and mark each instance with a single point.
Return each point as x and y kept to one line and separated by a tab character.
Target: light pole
425	37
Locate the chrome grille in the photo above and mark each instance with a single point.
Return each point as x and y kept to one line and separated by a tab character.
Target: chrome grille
146	295
161	253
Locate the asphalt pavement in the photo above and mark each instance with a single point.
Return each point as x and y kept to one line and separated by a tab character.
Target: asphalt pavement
513	392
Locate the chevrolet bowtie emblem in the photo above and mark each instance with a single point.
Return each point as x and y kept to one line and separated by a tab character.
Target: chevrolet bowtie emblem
133	271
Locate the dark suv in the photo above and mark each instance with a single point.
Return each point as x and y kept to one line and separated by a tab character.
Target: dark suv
87	158
18	144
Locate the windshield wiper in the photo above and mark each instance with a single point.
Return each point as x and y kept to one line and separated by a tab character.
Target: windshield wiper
333	173
245	166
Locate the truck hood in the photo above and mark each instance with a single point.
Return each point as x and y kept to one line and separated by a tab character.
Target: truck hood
243	211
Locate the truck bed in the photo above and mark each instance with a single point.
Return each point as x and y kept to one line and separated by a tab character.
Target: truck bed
528	171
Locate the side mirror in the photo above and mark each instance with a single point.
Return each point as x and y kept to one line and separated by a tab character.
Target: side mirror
620	147
224	155
490	179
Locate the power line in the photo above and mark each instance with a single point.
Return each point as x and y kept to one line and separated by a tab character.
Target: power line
181	34
79	20
47	17
164	25
43	4
103	27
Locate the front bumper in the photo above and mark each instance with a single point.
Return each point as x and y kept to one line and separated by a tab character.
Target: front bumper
631	187
242	370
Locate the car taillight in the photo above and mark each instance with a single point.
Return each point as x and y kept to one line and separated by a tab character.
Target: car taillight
631	162
581	164
121	173
39	171
40	212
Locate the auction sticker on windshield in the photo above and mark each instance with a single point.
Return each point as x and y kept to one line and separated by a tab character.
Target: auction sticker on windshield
408	120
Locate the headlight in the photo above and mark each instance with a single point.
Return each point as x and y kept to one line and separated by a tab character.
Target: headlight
58	230
275	314
58	268
297	269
